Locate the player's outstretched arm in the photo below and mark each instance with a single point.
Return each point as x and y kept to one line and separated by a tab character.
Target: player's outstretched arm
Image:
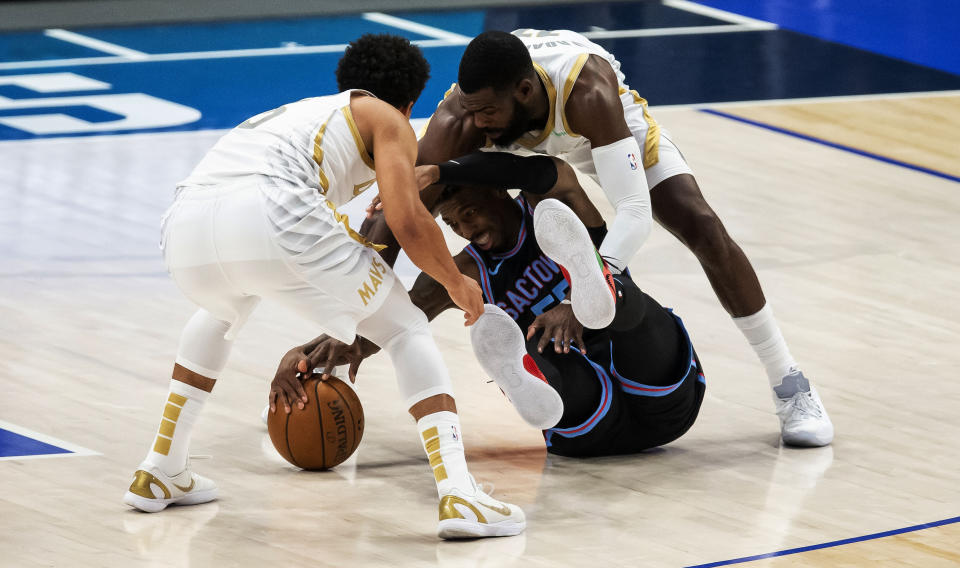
594	110
450	132
432	298
395	149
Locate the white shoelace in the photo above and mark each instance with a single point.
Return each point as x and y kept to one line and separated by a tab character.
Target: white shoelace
805	404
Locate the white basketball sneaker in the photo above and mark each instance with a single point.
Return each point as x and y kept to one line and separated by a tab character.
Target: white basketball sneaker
803	419
477	515
500	349
562	236
152	490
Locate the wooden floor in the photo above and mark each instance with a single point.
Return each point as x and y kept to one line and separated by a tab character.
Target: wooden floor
858	257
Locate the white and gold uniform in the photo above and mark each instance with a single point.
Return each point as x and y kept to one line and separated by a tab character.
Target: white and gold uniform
258	217
558	57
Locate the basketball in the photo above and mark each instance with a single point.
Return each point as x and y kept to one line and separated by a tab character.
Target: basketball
325	432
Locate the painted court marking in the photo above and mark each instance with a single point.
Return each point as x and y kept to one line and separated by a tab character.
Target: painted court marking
93	43
73	449
831	544
440	38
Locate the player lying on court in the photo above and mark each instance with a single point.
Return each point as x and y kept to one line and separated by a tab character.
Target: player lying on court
632	383
257	219
558	93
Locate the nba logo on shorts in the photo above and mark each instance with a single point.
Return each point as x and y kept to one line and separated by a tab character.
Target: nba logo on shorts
454	433
632	160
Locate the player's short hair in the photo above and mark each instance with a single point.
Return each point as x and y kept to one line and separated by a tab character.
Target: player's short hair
494	59
388	66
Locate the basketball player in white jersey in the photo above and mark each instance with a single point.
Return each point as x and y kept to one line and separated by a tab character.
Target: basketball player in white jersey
558	93
257	218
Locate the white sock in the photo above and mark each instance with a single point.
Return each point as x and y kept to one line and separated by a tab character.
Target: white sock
441	438
180	413
764	336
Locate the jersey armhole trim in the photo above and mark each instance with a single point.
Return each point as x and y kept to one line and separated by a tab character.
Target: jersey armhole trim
568	88
348	114
551	113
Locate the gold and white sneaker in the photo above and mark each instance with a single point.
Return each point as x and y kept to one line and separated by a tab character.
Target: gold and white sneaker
152	490
477	515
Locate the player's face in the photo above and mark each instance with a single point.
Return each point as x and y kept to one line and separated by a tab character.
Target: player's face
501	116
481	218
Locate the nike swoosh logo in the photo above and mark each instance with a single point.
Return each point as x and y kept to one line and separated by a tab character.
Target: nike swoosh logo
188	488
503	510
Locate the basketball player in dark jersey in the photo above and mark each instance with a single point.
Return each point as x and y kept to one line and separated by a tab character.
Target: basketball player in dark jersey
635	384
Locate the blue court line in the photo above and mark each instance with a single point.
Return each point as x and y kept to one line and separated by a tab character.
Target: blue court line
850	149
830	544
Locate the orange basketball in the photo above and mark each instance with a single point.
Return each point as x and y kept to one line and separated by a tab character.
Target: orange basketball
326	432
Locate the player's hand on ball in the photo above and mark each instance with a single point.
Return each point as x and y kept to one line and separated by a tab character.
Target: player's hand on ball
286	388
330	353
560	325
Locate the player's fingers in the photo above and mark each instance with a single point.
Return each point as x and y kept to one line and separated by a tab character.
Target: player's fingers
272	399
544	340
352	372
302	366
290	391
558	339
471	317
532	330
282	398
329	366
301	393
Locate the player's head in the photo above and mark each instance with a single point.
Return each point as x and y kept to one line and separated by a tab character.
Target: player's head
388	66
489	219
498	83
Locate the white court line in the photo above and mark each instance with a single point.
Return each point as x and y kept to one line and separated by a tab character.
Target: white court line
335	48
75	449
93	43
695	8
217	54
811	100
415	27
688	30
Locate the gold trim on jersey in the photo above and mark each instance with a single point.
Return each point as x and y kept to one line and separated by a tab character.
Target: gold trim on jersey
529	141
651	145
318	158
341	218
361	187
348	114
567	87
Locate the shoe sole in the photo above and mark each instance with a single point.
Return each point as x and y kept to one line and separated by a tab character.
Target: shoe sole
807	440
461	528
157	505
499	346
565	239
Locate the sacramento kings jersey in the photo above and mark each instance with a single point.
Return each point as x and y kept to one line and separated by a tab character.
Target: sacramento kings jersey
559	56
522	281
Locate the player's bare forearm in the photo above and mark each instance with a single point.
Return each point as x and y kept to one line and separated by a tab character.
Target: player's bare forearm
376	230
432	298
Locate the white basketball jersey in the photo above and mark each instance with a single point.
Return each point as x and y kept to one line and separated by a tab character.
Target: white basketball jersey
306	159
559	56
313	143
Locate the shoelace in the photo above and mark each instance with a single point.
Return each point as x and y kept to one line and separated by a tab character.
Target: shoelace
481	486
805	404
